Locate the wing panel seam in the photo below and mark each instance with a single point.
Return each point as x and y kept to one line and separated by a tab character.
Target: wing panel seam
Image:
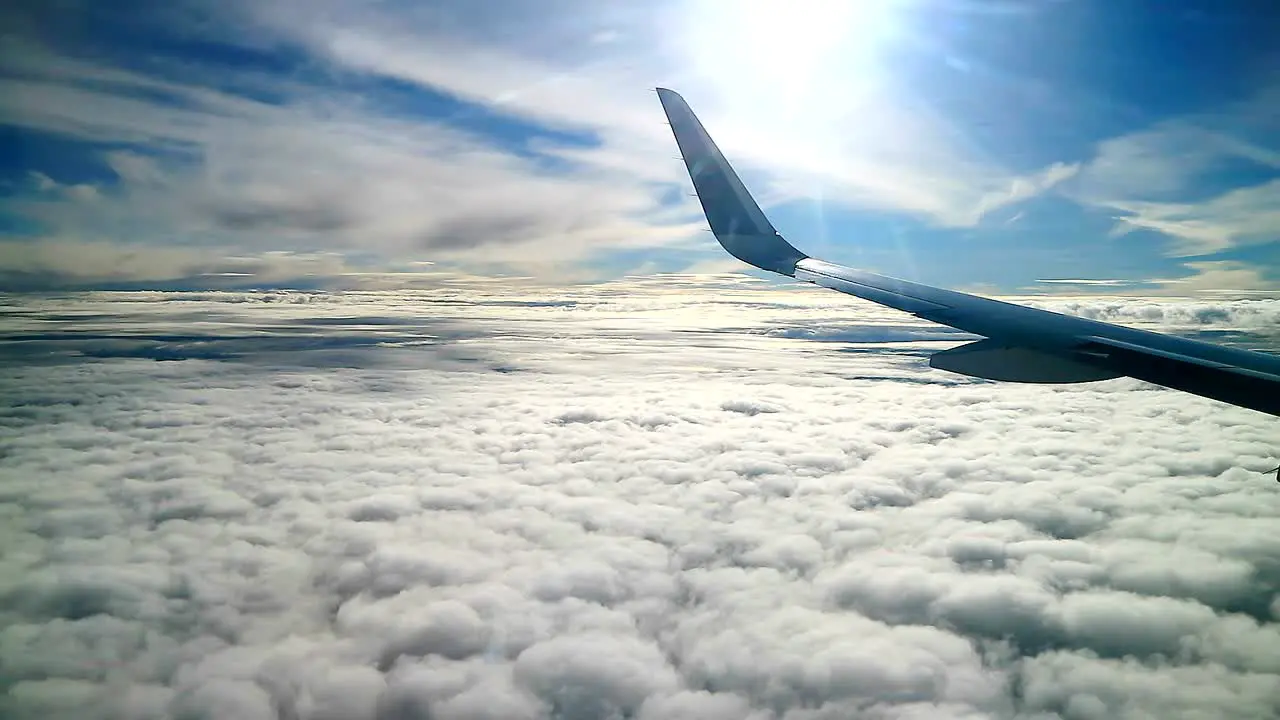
906	302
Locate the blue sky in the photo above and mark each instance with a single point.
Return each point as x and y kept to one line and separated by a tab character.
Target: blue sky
989	145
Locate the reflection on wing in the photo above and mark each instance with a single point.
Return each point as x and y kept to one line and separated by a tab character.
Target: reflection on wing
1023	344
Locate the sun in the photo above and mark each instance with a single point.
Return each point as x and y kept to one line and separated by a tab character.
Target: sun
789	45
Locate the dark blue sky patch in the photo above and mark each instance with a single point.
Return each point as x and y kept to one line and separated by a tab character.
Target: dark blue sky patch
1044	84
63	159
408	101
1145	56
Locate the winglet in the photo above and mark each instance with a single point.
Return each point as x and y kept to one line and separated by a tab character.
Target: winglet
735	218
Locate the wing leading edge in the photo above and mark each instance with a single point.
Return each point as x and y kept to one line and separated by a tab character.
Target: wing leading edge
1023	344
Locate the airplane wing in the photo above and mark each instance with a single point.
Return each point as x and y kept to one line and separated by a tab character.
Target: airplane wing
1022	344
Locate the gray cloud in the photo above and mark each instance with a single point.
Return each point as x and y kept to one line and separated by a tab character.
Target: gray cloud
211	168
646	499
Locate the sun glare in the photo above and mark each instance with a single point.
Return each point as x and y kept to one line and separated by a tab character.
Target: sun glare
789	45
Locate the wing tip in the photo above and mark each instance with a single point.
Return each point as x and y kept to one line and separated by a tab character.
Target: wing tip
672	100
735	218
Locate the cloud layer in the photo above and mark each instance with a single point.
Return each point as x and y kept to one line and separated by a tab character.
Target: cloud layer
671	498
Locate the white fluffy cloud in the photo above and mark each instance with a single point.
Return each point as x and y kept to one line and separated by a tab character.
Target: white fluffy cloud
652	499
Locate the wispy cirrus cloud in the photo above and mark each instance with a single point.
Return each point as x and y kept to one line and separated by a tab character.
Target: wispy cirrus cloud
1238	217
1206	277
1182	178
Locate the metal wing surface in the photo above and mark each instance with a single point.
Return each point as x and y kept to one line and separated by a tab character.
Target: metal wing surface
1022	344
